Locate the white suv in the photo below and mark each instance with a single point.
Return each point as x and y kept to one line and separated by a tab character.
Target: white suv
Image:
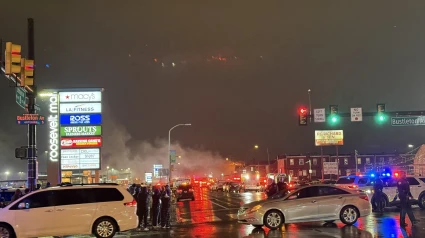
417	189
99	209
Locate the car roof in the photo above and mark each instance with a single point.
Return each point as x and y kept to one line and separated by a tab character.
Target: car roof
328	185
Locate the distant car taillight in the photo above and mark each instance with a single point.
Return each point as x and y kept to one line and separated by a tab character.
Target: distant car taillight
365	197
190	190
131	204
179	191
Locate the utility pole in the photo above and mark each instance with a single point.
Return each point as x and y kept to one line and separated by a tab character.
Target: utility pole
32	143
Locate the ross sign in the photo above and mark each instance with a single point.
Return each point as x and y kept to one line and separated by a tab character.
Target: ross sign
72	159
81	131
329	137
81	142
27	119
172	156
148	177
71	108
53	128
330	167
319	115
356	114
408	121
21	97
94	96
79	119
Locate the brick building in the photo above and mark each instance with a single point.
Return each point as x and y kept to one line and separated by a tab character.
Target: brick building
299	165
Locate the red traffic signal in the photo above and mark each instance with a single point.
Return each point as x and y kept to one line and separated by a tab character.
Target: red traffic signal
302	119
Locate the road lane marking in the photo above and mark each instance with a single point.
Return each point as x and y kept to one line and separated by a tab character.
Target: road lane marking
219	205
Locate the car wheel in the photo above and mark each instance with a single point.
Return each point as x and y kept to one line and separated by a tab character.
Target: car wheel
421	201
6	231
104	228
349	215
273	219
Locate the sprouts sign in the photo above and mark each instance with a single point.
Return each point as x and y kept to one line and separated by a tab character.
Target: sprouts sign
74	121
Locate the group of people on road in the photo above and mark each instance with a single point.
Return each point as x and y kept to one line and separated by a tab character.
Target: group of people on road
277	190
154	203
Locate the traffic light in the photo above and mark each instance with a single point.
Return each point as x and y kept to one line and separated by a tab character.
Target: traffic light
381	116
333	117
12	58
302	113
27	72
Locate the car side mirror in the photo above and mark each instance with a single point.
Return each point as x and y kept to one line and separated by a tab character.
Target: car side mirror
24	205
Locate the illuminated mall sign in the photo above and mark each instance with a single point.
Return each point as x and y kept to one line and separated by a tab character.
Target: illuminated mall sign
53	122
67	131
81	119
91	96
81	142
71	108
72	159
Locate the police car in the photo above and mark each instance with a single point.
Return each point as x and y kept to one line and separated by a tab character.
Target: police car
417	189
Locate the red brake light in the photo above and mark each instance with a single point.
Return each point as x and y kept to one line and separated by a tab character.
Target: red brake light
365	197
179	191
396	174
131	204
352	186
190	190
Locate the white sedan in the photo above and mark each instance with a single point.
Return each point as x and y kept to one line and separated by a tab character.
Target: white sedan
308	204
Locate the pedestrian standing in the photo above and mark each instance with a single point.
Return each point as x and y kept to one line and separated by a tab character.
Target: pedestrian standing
156	201
404	194
17	195
143	208
165	207
378	188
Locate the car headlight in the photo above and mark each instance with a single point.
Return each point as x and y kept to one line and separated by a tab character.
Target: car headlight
368	191
254	209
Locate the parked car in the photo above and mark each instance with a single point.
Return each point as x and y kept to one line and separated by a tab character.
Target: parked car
307	204
99	209
234	187
218	186
185	191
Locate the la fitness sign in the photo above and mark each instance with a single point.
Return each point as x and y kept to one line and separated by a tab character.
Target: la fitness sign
53	122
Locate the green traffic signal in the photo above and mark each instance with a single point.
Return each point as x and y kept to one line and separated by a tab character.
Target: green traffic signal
334	119
381	118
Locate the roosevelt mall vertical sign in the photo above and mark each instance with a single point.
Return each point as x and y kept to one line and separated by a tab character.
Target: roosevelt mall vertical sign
75	126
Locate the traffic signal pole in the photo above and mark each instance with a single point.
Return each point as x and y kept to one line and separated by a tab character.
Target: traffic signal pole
32	142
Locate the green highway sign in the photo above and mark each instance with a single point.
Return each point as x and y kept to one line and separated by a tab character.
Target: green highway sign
81	131
408	121
21	96
172	156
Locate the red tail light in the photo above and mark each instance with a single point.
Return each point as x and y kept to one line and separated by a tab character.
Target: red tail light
352	186
290	185
179	191
131	204
190	190
365	197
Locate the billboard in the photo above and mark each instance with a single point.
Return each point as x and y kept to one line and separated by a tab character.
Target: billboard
67	131
94	96
79	119
71	108
329	137
81	142
72	159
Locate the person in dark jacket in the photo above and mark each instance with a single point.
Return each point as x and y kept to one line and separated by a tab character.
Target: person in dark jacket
17	195
404	194
272	189
156	202
165	207
378	187
143	207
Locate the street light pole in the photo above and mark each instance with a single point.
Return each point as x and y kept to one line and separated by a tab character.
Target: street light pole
309	102
169	148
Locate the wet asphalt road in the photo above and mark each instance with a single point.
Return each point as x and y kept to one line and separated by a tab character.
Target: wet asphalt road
213	214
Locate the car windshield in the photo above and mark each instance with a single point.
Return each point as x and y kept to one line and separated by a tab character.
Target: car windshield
346	180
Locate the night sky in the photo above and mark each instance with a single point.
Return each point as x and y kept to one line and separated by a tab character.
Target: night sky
236	70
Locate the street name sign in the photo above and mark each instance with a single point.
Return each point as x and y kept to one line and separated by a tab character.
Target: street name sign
33	119
21	97
408	121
